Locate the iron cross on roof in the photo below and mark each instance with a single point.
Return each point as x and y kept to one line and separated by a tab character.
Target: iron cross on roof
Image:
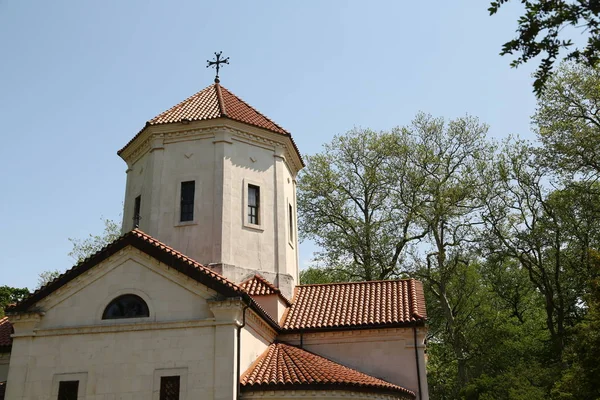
217	63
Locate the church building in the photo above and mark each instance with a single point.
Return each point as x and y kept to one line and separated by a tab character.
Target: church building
200	297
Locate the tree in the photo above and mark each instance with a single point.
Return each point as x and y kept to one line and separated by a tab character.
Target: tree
10	295
548	232
541	31
82	249
45	277
347	202
567	121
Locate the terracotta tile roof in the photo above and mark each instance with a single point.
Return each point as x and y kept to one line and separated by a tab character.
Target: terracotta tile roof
5	332
212	102
259	286
356	304
215	102
285	367
159	251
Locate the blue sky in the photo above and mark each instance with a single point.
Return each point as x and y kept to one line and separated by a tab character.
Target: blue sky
78	79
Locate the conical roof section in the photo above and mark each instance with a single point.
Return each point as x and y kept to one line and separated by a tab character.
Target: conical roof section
212	102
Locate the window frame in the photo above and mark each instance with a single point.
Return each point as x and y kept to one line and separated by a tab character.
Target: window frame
181	201
245	206
177	201
159	373
137	317
137	210
291	225
81	377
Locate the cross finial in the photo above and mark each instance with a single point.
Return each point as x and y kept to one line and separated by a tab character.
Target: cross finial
217	63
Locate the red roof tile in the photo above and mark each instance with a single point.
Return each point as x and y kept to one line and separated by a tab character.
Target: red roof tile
159	251
5	331
212	102
356	304
215	102
259	286
283	367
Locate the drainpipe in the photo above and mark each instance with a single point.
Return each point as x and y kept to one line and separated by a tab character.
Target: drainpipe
417	362
239	349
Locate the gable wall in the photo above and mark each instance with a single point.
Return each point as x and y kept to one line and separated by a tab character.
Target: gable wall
388	354
124	358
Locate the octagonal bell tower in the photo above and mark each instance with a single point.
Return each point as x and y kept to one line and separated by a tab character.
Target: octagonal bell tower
216	180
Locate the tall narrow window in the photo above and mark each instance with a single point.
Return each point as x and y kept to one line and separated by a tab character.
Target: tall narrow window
67	390
187	201
291	222
253	204
136	211
169	388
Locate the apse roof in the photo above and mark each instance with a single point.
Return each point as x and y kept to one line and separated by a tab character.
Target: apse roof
286	367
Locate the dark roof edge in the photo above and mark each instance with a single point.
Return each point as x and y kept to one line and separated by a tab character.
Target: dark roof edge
155	250
417	323
327	386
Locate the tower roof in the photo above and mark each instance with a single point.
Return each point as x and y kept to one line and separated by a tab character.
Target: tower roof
213	102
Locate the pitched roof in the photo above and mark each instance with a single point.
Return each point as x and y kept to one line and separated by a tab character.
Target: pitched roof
259	286
5	332
285	367
212	102
160	251
356	305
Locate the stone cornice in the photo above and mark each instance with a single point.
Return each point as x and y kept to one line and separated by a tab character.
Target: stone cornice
171	133
260	326
353	336
122	327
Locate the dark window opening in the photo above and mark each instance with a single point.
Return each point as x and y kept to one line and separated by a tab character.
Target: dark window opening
291	223
187	201
67	390
253	204
126	306
136	211
169	388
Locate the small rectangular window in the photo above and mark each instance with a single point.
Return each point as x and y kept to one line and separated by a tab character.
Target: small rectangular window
169	388
67	390
291	222
253	204
136	211
187	201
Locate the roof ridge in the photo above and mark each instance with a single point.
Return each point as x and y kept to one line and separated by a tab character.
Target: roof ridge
255	110
356	282
220	99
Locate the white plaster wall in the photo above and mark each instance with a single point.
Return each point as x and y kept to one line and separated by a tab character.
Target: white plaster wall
120	364
121	358
221	156
388	354
170	295
256	337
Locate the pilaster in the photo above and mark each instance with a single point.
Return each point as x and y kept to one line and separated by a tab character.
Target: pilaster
155	167
280	211
222	198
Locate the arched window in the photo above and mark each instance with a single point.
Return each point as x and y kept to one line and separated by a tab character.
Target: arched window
126	306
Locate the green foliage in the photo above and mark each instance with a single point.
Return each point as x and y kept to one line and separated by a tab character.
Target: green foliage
541	30
82	249
10	295
568	121
312	275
